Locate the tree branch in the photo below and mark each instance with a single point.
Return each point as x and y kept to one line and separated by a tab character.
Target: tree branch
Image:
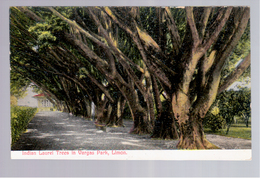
176	40
207	97
142	34
29	13
74	24
156	92
217	30
204	21
192	25
94	59
221	57
235	74
117	53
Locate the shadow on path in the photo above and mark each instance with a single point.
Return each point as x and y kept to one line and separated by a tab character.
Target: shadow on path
61	131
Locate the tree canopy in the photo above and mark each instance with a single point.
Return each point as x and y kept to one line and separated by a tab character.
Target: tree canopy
135	55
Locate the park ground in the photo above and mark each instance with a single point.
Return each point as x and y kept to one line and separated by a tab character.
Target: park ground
62	131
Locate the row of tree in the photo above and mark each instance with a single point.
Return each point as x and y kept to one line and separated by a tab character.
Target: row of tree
166	64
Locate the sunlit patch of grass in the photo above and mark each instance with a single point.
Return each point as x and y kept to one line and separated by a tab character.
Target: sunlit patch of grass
236	131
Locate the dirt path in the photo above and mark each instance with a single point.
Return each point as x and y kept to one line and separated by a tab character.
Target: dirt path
61	131
228	142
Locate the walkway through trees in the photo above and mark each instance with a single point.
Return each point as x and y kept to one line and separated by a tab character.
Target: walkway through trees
61	131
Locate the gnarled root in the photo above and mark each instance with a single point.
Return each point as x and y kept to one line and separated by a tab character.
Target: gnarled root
196	143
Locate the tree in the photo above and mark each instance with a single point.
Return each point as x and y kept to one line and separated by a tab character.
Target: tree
142	53
244	104
235	103
214	119
48	68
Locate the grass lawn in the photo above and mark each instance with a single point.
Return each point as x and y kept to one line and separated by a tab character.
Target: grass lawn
236	131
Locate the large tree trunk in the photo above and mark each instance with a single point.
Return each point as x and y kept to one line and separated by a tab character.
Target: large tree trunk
120	110
115	117
165	126
112	118
192	135
100	110
141	124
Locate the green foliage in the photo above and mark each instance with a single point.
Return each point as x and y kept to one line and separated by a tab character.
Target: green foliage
214	120
49	31
230	104
243	102
235	103
13	100
44	35
18	84
20	117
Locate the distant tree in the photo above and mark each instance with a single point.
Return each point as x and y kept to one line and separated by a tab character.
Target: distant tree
244	104
214	119
235	103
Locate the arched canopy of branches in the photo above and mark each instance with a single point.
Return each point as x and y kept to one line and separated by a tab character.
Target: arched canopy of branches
138	55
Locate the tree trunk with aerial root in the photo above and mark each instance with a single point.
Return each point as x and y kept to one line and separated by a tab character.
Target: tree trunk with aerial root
165	126
141	124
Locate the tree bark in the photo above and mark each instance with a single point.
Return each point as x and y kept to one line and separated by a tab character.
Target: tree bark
113	120
100	110
165	125
192	135
141	124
